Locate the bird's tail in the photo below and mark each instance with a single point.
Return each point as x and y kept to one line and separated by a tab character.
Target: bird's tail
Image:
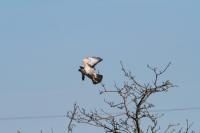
97	79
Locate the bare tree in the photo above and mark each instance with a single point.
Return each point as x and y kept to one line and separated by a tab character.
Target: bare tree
127	115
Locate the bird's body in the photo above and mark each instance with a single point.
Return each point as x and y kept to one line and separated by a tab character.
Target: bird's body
89	69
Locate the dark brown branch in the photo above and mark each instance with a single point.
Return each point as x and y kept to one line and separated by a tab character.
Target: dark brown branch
71	116
132	108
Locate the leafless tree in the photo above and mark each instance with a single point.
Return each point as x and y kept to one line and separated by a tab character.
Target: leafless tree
132	109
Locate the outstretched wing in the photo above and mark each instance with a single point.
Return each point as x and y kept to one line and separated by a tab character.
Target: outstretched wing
94	60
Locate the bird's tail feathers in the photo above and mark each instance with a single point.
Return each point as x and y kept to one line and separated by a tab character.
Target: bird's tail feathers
97	79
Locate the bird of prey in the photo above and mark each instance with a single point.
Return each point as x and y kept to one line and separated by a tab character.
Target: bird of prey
88	69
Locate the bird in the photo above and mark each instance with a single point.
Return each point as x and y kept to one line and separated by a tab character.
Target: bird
88	69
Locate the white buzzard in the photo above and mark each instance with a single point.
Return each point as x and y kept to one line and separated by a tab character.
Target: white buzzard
89	69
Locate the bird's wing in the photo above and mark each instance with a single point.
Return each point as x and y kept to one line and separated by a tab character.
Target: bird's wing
83	76
82	72
94	60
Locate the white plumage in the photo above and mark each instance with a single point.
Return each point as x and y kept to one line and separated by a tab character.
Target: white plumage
89	64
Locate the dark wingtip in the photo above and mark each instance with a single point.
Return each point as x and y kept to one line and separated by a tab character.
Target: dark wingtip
100	59
81	67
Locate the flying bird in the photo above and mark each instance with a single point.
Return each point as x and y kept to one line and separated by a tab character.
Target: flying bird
88	69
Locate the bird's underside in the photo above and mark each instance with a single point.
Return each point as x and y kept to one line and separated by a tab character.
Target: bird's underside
95	79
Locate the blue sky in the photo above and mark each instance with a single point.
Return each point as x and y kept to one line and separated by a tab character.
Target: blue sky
42	44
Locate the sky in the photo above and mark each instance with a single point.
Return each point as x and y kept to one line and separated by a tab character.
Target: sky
43	42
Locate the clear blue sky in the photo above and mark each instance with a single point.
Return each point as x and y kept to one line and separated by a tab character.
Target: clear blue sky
42	43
